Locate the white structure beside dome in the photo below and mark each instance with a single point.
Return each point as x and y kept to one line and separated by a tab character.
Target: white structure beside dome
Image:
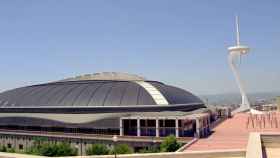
234	53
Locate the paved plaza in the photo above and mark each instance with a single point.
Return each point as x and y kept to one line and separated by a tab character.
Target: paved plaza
233	133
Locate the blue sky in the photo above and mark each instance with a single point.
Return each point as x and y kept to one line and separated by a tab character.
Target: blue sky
179	42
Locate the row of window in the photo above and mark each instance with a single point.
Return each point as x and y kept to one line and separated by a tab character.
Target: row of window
152	123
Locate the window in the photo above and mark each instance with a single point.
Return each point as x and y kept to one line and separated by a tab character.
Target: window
142	123
9	145
151	123
20	146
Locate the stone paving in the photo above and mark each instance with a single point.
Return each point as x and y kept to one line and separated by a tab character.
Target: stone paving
233	133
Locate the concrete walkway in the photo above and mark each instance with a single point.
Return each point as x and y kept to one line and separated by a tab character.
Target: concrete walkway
233	133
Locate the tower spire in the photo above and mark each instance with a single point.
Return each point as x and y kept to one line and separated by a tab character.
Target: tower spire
237	30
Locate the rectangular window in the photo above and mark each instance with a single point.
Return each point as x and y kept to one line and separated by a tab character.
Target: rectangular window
151	123
143	123
161	123
20	146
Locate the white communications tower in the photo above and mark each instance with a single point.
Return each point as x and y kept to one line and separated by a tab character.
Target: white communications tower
236	52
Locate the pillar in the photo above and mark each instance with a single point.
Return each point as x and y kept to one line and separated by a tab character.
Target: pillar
138	128
157	127
209	124
121	127
197	127
163	127
176	128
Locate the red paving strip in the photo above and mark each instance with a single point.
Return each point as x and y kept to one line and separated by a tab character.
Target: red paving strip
231	134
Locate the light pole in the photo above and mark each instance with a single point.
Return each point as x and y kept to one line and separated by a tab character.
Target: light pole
115	139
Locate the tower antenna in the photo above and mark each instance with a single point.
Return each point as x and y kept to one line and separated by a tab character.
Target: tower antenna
237	30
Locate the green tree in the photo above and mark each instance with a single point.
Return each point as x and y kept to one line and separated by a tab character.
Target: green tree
169	144
122	149
98	149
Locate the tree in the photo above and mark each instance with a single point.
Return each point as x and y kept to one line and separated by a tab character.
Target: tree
98	149
122	149
169	144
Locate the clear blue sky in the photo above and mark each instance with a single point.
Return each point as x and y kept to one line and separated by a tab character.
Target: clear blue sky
179	42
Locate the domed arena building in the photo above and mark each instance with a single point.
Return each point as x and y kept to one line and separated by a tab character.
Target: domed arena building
103	104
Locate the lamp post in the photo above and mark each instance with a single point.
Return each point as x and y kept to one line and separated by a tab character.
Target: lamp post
115	139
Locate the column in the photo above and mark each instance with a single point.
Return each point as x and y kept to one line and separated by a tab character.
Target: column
163	127
138	128
176	128
197	127
209	125
121	127
205	123
157	127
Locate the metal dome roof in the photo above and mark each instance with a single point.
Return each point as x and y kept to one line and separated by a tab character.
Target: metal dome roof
96	93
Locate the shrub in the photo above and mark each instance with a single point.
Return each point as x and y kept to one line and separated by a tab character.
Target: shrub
3	148
169	144
11	150
149	150
97	149
122	149
50	149
65	149
60	149
33	151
